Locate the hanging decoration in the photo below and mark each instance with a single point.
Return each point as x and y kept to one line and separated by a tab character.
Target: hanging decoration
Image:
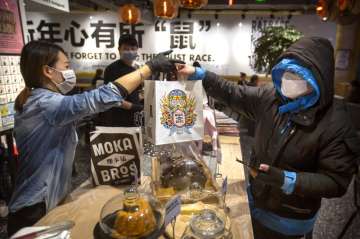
193	4
167	9
343	4
322	9
130	14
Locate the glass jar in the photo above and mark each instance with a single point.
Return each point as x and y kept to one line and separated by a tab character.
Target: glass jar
208	224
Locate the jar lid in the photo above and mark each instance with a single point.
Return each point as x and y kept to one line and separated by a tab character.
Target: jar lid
207	224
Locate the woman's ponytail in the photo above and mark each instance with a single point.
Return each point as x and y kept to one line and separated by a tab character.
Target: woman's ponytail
22	98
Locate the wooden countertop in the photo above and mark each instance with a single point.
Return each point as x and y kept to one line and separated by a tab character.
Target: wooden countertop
84	205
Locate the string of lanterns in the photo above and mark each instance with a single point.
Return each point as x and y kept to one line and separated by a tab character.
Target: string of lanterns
333	9
193	4
167	9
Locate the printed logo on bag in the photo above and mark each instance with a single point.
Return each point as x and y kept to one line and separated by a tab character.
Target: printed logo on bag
115	159
178	112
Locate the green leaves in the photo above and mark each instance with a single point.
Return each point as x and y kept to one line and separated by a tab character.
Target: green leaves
269	46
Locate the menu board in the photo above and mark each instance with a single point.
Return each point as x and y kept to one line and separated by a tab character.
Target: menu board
11	83
11	44
11	35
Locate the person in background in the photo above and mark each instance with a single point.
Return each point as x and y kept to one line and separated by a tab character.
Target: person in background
305	145
254	80
98	77
242	80
45	125
133	105
354	95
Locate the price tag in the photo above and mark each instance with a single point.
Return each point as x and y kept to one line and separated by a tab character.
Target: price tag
172	209
224	186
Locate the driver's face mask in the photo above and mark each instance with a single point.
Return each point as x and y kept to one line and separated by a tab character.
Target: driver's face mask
293	86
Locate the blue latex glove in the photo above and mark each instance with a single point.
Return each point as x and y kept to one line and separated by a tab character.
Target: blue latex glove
199	74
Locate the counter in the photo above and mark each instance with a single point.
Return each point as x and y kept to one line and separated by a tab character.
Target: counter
83	205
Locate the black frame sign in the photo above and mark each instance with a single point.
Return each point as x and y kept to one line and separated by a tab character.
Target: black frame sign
115	158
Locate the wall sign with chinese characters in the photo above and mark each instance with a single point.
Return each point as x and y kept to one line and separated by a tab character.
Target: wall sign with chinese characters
221	45
62	5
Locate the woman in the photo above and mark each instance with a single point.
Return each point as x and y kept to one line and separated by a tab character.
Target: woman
45	122
305	147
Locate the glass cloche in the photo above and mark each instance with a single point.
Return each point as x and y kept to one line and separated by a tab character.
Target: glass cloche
181	172
132	215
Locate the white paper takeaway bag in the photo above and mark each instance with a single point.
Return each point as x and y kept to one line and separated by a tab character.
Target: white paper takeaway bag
173	111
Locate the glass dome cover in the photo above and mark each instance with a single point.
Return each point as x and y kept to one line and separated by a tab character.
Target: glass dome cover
132	215
181	172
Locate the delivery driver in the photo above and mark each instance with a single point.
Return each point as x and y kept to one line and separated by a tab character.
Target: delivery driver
45	125
304	145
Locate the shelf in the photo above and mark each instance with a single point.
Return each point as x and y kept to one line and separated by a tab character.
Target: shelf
6	128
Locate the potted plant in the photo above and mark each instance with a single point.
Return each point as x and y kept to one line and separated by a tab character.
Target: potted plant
273	41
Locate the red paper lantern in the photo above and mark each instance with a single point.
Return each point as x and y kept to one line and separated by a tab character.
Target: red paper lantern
193	4
167	9
322	9
343	4
130	14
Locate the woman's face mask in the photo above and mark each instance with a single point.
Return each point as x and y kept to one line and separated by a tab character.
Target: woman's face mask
293	86
69	80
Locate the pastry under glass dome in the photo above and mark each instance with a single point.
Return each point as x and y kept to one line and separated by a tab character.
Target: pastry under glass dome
132	215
